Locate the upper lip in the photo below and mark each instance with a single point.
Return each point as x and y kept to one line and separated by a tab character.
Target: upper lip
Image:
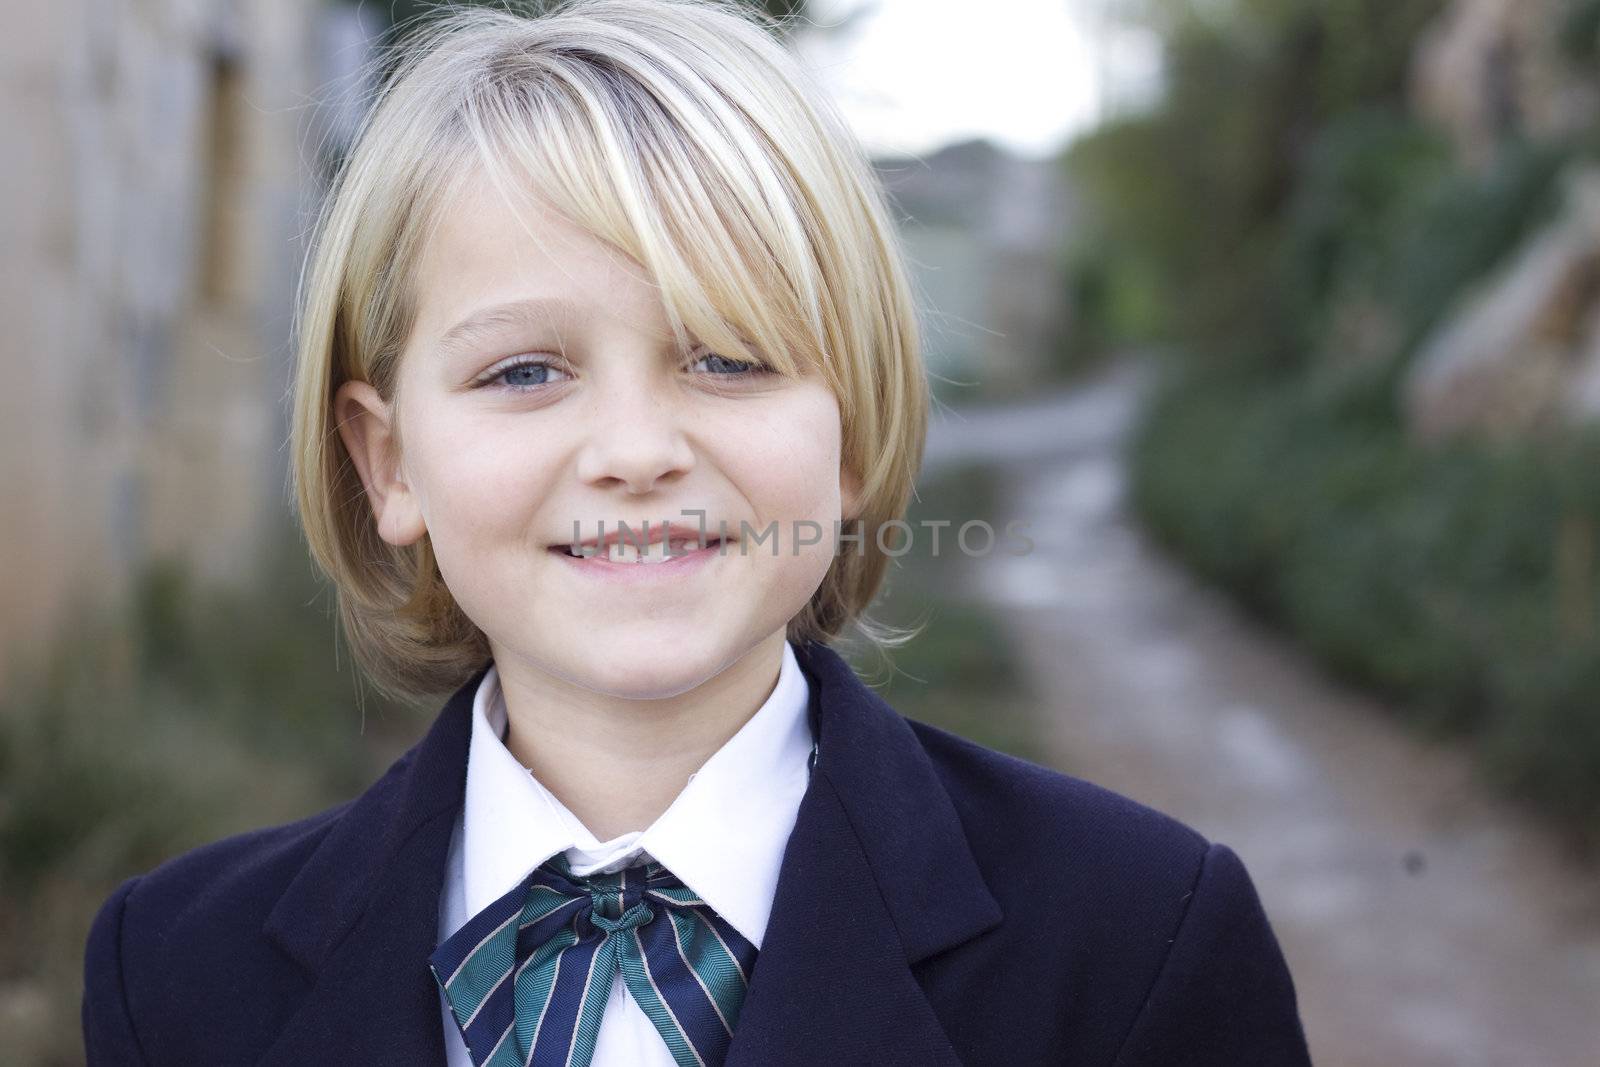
637	534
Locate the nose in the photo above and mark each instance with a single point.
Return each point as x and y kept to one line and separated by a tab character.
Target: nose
635	440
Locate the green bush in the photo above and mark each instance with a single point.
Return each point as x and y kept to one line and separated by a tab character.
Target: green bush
1195	201
191	715
1464	225
1368	178
1580	31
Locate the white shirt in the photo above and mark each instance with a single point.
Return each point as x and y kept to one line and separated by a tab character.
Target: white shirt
723	836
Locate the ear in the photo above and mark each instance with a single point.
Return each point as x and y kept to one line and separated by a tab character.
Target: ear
366	427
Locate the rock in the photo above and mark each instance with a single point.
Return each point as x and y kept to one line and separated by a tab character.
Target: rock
1487	70
1523	351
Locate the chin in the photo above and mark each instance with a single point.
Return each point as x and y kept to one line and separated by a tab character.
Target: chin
643	668
651	682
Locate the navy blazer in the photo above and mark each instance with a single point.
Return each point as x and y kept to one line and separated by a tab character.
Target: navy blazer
938	903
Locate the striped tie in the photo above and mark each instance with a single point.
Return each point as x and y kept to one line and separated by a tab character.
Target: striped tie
569	935
563	937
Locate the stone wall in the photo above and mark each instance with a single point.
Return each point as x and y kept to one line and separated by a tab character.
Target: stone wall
159	164
1491	69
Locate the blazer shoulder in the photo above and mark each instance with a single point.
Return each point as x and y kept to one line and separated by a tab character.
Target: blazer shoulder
1163	924
1027	821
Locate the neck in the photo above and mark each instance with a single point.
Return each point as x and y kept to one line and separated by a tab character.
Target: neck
618	763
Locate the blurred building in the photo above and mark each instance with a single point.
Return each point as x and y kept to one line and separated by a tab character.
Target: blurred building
160	159
985	230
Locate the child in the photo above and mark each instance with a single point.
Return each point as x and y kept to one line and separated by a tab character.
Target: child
605	321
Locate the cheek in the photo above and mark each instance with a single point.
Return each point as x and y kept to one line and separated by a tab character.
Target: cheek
476	486
789	463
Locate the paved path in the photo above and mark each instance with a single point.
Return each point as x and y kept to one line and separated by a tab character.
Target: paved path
1426	922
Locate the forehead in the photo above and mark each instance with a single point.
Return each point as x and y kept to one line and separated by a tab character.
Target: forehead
490	245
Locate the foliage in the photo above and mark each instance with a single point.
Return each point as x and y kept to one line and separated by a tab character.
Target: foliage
1190	204
196	713
1580	32
1383	218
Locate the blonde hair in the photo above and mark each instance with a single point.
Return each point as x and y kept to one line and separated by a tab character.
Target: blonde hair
686	135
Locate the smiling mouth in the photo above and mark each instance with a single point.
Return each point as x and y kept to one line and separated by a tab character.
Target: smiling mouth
626	552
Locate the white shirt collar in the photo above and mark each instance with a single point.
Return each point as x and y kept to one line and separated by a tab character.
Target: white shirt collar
723	836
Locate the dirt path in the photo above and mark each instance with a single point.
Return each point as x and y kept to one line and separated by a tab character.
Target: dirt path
1426	922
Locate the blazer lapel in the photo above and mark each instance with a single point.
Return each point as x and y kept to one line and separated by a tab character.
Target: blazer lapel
877	876
362	915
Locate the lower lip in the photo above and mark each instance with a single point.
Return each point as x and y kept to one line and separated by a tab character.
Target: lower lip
676	566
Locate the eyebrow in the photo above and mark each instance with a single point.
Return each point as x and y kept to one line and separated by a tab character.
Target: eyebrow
533	311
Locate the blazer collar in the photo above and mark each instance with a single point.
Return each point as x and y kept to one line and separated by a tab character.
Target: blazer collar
877	876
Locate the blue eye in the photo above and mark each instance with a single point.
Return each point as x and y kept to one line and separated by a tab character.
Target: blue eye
728	364
523	375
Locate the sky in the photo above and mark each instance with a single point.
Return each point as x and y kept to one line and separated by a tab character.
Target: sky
911	75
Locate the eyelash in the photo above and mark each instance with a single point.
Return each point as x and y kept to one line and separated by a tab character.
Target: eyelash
495	376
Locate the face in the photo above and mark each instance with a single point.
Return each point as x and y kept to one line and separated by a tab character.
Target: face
541	387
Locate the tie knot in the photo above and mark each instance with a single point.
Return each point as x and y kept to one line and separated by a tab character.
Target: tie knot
638	915
617	900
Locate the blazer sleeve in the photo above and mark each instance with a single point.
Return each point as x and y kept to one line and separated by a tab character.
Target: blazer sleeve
108	1037
1223	996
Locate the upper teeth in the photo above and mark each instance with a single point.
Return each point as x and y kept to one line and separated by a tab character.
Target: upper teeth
627	552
